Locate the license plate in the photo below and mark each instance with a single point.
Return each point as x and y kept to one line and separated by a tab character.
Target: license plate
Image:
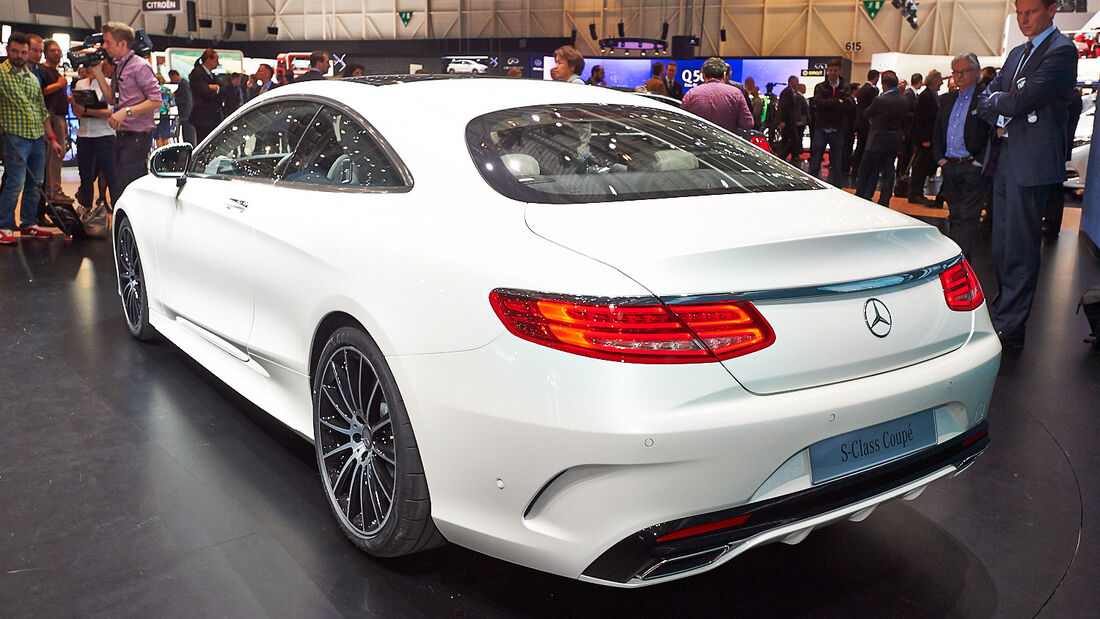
857	450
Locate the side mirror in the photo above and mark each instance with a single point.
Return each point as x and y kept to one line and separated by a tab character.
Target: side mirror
170	161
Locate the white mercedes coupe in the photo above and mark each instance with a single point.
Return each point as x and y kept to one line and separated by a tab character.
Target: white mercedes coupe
564	326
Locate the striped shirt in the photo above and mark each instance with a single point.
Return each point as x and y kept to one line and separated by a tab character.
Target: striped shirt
22	108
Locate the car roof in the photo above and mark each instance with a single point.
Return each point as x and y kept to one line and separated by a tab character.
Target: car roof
461	97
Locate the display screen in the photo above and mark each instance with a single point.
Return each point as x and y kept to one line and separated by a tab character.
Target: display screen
183	59
633	72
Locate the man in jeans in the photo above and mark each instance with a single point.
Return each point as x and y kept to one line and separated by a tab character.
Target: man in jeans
25	130
95	144
831	101
54	89
134	95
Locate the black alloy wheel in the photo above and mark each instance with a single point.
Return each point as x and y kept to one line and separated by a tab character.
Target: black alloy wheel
131	283
366	451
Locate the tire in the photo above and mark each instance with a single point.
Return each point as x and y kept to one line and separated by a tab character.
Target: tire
450	70
366	451
131	283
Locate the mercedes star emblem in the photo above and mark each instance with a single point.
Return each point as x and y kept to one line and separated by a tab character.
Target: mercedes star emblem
877	317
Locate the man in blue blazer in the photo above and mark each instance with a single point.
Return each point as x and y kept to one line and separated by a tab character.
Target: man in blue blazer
1028	102
959	143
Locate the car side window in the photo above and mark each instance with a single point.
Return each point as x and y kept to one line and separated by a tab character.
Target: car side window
258	144
338	151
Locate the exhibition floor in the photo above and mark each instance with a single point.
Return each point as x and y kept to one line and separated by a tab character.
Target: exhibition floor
134	483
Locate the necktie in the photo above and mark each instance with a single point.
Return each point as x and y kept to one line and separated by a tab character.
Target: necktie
1027	52
1002	120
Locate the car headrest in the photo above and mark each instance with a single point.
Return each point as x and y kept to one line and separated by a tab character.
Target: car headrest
668	160
520	164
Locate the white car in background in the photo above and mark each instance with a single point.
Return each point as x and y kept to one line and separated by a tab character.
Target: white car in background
465	65
1078	164
568	327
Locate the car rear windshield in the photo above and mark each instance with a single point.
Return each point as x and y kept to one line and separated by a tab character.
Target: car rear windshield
601	153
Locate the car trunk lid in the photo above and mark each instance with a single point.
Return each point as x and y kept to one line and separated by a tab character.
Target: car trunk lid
810	261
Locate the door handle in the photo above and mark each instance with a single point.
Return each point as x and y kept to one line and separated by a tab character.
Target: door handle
234	203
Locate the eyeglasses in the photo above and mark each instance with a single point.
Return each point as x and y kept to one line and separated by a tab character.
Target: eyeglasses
963	71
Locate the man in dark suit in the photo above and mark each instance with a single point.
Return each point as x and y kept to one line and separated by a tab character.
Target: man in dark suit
924	121
183	106
675	88
206	107
864	97
791	123
915	82
234	95
959	147
318	67
1029	102
887	116
263	81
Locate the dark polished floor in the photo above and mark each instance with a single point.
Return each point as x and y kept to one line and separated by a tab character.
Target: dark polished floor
133	483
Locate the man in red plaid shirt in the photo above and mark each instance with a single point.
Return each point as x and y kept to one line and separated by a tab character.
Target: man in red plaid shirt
717	101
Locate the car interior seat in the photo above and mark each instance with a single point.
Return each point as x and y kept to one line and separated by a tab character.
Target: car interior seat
344	171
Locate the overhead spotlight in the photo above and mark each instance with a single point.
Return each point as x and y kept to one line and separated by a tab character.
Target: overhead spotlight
643	53
592	32
622	30
908	10
273	30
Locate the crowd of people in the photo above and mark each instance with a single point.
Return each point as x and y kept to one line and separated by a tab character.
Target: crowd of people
999	138
128	112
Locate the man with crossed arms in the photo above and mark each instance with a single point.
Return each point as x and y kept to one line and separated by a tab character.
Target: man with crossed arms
1029	103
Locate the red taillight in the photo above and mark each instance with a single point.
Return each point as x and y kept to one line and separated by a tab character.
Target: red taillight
961	289
977	437
761	141
648	333
704	528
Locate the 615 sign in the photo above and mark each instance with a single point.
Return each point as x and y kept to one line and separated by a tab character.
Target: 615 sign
853	46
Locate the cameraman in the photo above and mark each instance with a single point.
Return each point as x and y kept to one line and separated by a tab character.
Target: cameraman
134	95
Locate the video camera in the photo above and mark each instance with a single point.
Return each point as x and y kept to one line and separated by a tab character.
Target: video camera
91	52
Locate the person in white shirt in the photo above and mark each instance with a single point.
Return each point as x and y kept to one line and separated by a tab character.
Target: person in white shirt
95	143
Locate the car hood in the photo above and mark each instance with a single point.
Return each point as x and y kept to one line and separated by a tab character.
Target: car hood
754	245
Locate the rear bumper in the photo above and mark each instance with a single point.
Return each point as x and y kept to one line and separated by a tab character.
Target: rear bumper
642	559
550	461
